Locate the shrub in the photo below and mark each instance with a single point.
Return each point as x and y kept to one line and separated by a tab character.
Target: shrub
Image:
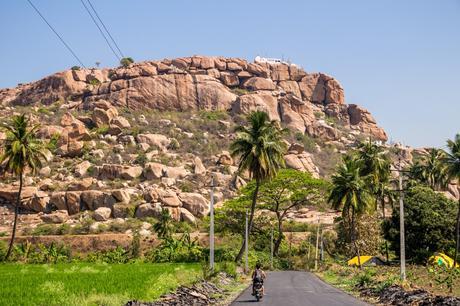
3	249
75	68
94	82
126	61
429	224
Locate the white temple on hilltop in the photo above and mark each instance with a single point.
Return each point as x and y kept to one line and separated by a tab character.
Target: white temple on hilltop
269	60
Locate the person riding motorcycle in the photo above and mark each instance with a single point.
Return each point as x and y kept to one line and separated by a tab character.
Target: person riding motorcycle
258	276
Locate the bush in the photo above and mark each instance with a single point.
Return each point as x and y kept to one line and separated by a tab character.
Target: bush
3	250
429	224
126	61
75	68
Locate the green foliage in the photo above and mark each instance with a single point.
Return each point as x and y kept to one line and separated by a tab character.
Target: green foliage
164	226
95	82
116	256
41	253
240	91
365	278
141	159
52	143
76	68
260	146
308	142
102	130
431	170
171	249
126	61
429	224
213	115
174	145
444	276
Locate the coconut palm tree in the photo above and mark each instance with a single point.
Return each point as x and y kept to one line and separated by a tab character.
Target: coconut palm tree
350	192
431	170
375	163
260	149
452	162
164	226
21	150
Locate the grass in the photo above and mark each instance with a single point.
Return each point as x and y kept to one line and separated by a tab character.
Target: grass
379	277
91	284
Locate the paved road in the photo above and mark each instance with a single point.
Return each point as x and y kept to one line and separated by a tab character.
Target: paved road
290	288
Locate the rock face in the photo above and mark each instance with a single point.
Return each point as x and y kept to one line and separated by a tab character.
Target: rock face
196	83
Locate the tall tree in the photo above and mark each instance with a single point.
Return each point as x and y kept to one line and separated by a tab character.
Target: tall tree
431	170
260	148
452	162
375	163
22	150
289	190
350	192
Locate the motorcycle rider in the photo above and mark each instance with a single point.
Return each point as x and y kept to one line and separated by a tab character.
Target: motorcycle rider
258	276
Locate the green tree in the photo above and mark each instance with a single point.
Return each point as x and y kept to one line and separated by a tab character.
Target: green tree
375	163
260	148
164	226
429	224
431	170
22	150
288	191
126	61
350	192
452	162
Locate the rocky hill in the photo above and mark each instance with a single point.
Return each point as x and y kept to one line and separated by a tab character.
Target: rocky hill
130	140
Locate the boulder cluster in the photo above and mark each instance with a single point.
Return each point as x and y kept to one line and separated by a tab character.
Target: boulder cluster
113	159
288	93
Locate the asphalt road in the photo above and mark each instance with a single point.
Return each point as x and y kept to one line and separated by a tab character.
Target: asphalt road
291	288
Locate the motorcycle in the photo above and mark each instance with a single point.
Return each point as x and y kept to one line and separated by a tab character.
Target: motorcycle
258	291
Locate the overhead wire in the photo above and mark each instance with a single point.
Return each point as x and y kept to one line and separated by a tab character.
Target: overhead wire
57	34
100	30
105	28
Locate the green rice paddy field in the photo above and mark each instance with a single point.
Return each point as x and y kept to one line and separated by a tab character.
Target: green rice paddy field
90	284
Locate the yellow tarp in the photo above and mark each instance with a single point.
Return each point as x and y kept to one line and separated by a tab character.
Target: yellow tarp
354	260
443	259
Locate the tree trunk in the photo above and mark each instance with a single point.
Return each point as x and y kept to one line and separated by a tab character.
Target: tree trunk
251	218
279	239
353	237
16	212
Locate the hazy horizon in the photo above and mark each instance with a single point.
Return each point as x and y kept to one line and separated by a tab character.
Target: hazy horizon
398	60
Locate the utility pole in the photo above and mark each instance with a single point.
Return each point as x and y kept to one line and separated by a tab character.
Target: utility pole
316	250
271	249
321	256
211	228
401	225
246	237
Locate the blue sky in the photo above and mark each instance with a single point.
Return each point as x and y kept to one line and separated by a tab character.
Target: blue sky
399	59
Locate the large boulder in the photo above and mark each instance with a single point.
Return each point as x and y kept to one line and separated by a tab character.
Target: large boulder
57	217
302	162
175	172
148	210
187	216
158	140
102	214
195	203
248	103
257	83
93	199
116	171
153	170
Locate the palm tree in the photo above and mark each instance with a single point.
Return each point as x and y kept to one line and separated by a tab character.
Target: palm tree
375	163
260	148
452	162
350	192
22	150
431	170
164	226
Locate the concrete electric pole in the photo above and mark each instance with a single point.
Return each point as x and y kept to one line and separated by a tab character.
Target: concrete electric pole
211	228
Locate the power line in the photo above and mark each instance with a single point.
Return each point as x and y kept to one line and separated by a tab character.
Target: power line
100	30
108	32
57	34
